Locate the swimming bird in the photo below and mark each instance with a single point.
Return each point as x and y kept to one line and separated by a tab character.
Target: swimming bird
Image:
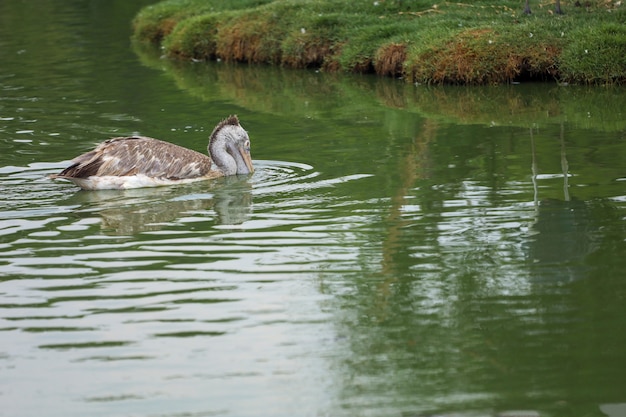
139	161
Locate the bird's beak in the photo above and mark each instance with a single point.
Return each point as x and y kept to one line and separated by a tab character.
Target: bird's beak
245	154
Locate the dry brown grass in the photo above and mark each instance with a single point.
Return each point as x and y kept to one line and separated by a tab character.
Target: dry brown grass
389	59
304	51
248	41
479	56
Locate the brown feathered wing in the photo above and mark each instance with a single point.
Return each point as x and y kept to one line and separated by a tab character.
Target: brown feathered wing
139	155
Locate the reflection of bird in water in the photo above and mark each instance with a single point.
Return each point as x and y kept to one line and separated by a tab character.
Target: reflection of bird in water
232	202
137	161
128	212
149	216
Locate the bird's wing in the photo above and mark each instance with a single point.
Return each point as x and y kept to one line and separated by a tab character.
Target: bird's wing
139	155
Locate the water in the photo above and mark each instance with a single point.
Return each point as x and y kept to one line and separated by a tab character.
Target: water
400	250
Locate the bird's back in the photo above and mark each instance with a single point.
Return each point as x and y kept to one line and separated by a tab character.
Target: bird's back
138	155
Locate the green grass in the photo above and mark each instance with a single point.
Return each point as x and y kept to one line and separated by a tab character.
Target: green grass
451	42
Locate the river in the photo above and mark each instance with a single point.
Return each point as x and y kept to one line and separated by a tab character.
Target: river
401	250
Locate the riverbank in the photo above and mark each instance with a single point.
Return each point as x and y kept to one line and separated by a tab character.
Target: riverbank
422	42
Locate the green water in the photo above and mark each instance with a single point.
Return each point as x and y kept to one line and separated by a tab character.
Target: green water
400	250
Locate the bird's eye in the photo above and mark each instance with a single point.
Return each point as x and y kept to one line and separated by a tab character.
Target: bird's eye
247	144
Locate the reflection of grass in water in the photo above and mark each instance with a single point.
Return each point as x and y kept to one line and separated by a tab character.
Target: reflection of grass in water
588	108
269	89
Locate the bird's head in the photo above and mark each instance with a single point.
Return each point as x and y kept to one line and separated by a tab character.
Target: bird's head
229	146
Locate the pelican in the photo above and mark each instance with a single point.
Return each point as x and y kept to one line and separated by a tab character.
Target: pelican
139	161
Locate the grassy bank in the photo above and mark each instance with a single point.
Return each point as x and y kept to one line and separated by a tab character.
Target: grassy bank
478	42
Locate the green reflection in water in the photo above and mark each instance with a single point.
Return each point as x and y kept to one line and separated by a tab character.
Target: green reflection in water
402	250
472	311
332	96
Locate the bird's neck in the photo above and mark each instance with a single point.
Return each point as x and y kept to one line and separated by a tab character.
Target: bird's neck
220	155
